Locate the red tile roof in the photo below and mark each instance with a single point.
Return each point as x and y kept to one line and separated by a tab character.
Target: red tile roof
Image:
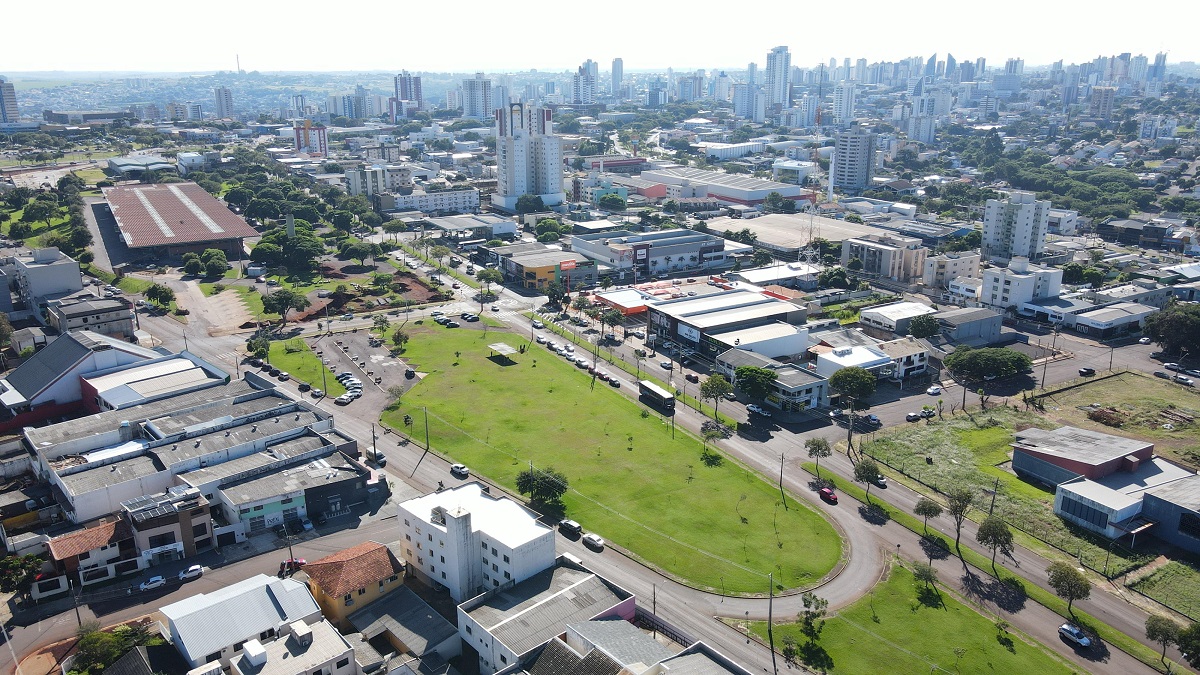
172	214
90	539
353	568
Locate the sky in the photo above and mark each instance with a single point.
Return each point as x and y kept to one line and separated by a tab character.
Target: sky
471	35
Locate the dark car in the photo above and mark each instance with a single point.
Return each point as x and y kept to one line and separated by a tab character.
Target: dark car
304	386
828	495
410	374
1087	372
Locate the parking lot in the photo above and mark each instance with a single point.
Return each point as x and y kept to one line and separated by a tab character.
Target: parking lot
352	352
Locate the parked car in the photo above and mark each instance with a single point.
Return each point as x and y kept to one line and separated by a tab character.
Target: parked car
828	495
836	413
874	419
409	373
1159	373
304	386
880	480
1172	366
1193	373
343	400
316	393
460	470
538	324
1186	381
292	565
928	413
614	382
935	390
1144	341
1087	372
570	526
913	417
593	541
1073	634
667	365
757	410
192	572
152	583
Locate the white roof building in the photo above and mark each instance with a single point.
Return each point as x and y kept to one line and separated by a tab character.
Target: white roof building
896	316
870	358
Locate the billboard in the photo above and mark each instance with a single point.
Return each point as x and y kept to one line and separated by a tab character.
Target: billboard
566	265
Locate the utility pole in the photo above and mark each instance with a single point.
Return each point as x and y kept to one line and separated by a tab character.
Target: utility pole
1045	366
1111	350
995	489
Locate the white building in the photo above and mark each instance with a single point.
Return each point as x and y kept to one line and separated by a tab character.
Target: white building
853	164
583	86
941	269
843	103
224	100
963	291
444	201
45	274
888	256
618	75
861	356
477	97
469	541
528	157
318	648
779	77
1019	283
1063	222
894	317
1015	226
366	182
749	102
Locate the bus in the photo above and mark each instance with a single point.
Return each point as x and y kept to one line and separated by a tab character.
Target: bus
656	395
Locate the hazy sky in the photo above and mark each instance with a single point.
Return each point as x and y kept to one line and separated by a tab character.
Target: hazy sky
373	35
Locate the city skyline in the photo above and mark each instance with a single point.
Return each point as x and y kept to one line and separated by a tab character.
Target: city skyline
1041	34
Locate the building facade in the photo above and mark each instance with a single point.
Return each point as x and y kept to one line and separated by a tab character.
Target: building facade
1015	226
1019	283
941	269
224	102
853	160
477	97
528	157
887	256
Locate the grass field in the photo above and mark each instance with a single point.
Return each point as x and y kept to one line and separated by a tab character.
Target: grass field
976	454
1141	400
632	479
912	629
297	359
1176	585
250	298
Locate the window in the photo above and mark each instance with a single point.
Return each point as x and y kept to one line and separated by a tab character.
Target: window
1189	525
505	558
443	558
503	659
406	522
362	591
408	537
430	537
286	500
493	551
393	578
266	634
507	575
468	629
343	663
199	530
484	543
443	575
258	508
215	656
494	568
1084	512
85	555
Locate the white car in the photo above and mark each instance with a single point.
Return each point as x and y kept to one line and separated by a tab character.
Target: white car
538	324
757	410
152	583
1074	635
593	541
541	339
460	470
1144	341
191	573
935	390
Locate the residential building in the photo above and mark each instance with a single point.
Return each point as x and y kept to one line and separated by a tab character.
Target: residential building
409	625
141	660
407	87
477	97
618	76
469	541
583	85
528	157
42	275
853	163
215	627
224	101
170	525
366	182
843	103
941	269
504	627
1102	101
311	139
749	102
99	552
1019	283
964	291
435	202
8	102
894	317
349	580
779	78
886	256
910	356
1015	226
305	650
106	316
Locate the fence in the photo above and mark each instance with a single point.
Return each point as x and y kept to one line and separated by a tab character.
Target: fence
647	621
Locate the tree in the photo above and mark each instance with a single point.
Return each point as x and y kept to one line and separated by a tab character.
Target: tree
1176	328
611	202
924	326
267	253
39	210
529	204
400	338
1164	631
1189	643
544	486
380	323
17	571
160	294
754	381
761	258
283	301
342	220
812	619
857	384
993	533
239	196
976	364
97	649
818	448
1068	582
488	276
866	471
959	501
715	388
439	252
927	508
925	574
555	292
195	268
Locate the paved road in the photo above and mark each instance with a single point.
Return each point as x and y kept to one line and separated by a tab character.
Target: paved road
869	545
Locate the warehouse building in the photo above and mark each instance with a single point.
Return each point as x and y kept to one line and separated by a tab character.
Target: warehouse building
175	218
693	322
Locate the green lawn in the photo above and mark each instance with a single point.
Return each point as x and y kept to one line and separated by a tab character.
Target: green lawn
1175	584
295	357
977	454
133	285
912	630
712	525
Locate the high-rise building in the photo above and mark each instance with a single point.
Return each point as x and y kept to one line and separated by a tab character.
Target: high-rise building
779	70
299	105
843	103
408	88
951	66
1158	71
224	99
311	138
195	112
853	160
618	76
1102	102
477	97
528	156
1015	227
860	70
583	85
752	74
931	66
690	88
8	102
657	94
980	67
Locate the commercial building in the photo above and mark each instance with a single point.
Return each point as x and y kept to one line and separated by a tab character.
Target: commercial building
1019	283
318	648
528	157
853	164
785	235
894	317
1113	319
693	322
469	542
798	275
107	316
941	269
135	167
43	275
1015	227
642	255
796	387
886	256
175	218
728	187
1064	222
867	357
504	627
975	326
9	114
473	226
168	526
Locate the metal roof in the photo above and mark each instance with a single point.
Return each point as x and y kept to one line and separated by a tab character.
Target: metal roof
105	475
171	214
209	622
1080	445
407	617
622	641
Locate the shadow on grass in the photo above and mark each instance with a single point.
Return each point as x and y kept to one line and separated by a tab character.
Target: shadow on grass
815	656
935	547
1007	642
501	360
930	597
874	514
1007	594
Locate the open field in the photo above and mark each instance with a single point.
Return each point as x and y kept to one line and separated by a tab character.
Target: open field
633	481
915	630
296	358
976	453
1141	402
1176	585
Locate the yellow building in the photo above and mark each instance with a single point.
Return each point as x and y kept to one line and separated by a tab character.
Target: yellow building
353	578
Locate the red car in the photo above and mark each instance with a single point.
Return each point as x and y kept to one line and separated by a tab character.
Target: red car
828	495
